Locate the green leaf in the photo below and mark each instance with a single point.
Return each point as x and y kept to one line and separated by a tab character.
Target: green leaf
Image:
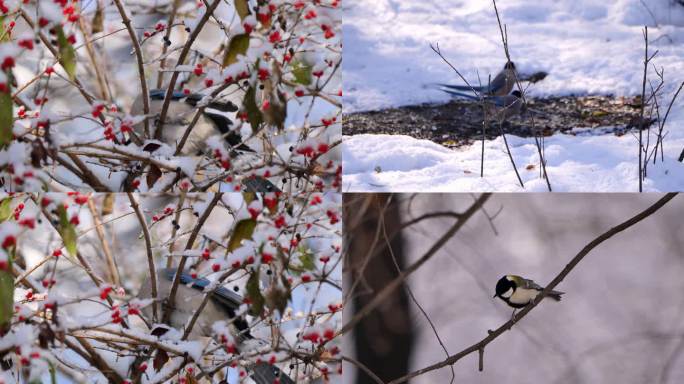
301	72
6	113
98	20
307	260
242	8
53	373
107	204
254	294
67	54
5	209
243	231
249	197
6	295
67	231
5	36
253	112
276	114
239	45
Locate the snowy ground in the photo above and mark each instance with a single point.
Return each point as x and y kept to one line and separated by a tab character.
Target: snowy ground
586	49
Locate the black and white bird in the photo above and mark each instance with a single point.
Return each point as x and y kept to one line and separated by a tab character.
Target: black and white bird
518	292
216	119
223	305
182	107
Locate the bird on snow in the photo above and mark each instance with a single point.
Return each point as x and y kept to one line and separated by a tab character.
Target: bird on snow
501	108
501	85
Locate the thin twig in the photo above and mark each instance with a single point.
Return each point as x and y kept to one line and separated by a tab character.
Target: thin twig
643	102
364	368
99	229
139	58
399	280
538	143
181	264
150	256
408	288
181	59
165	47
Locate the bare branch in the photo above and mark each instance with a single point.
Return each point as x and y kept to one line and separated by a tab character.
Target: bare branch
150	256
380	296
492	335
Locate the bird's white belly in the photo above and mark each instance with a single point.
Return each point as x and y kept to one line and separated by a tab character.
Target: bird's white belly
196	142
523	296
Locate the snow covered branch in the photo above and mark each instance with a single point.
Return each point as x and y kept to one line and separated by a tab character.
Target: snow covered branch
254	91
261	274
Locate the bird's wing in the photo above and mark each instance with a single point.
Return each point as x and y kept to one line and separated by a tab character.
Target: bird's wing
220	121
226	296
258	184
194	98
233	138
263	373
229	301
159	94
498	82
451	87
499	101
529	284
460	94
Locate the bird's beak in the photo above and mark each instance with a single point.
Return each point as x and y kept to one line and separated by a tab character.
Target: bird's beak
494	296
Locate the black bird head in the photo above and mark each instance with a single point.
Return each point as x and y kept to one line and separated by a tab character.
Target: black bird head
517	94
509	65
503	285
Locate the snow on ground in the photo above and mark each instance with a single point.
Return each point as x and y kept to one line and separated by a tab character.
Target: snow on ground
400	163
587	48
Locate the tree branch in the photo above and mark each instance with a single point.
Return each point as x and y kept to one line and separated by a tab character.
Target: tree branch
188	245
569	267
150	256
181	59
415	266
139	58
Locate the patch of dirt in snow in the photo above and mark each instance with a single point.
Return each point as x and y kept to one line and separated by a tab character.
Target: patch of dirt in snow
459	122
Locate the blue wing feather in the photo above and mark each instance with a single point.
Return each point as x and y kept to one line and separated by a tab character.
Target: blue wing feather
228	296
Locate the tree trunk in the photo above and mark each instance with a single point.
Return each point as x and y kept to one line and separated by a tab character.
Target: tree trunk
384	338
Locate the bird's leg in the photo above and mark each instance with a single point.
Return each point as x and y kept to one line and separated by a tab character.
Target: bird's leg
513	314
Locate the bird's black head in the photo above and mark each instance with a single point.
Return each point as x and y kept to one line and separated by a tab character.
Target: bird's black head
517	94
503	285
509	65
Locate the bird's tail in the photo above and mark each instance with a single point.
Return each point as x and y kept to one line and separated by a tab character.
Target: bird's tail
451	87
263	373
458	90
258	184
556	295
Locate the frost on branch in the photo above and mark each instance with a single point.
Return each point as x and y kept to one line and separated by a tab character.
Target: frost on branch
74	267
205	96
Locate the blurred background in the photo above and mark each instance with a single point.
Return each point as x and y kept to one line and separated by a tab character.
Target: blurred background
621	319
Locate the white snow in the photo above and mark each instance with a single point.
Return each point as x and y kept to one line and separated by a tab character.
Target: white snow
586	47
579	164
